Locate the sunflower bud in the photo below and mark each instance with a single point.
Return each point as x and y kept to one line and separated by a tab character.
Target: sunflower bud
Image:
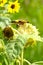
8	32
30	41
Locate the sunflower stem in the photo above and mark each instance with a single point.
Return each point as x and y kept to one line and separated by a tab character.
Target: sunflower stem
27	62
22	57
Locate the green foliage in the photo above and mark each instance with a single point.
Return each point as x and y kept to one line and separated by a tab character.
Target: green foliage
32	11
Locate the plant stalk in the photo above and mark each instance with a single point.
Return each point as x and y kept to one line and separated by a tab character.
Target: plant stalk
22	57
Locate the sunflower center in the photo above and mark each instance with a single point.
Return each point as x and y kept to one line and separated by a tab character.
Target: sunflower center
12	6
8	32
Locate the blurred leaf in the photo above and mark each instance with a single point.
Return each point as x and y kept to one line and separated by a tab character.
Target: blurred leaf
38	63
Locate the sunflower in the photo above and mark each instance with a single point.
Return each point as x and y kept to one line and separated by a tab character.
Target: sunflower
30	33
13	7
2	2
